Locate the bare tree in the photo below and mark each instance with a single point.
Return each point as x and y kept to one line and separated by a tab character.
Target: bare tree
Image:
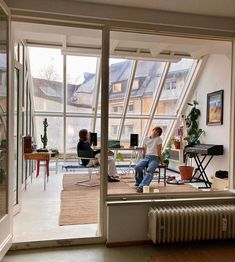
49	73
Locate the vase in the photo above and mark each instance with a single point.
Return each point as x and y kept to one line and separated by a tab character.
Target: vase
186	172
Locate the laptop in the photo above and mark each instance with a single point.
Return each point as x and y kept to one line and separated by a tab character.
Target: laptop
114	144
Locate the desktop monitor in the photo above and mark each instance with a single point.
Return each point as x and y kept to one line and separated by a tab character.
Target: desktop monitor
93	139
134	140
114	144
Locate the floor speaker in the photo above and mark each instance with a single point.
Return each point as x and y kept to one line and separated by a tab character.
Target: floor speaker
134	140
27	144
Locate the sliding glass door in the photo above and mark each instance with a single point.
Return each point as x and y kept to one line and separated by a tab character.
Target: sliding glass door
5	143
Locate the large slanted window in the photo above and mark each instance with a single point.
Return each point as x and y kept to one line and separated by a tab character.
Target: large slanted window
145	91
64	91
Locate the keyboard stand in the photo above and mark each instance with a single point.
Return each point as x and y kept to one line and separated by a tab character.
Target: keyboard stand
201	169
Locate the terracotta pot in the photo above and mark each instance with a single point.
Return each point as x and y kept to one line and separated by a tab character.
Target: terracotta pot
177	144
186	172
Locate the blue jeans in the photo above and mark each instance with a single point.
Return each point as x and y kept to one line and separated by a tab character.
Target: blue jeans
151	162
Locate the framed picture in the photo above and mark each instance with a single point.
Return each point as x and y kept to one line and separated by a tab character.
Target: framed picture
215	108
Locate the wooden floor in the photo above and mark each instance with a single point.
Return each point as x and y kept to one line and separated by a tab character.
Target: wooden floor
213	251
208	251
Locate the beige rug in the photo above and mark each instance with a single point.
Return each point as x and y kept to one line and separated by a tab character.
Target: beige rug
79	204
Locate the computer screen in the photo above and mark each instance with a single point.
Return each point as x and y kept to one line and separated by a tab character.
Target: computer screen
93	139
114	143
134	140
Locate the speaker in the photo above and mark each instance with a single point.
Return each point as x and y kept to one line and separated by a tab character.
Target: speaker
27	144
93	139
134	140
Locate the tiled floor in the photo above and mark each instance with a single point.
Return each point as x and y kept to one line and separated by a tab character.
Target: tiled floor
39	217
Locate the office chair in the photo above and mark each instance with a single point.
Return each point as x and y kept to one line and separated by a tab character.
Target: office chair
88	155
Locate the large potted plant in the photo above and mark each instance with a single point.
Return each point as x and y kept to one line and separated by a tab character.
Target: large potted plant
192	138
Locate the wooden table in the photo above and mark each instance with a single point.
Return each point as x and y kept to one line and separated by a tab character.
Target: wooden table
40	156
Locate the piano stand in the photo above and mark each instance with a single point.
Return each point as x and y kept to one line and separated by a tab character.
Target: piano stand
201	169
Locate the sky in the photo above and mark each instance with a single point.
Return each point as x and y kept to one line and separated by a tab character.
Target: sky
76	65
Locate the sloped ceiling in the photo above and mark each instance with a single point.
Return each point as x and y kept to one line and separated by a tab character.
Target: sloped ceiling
224	8
122	44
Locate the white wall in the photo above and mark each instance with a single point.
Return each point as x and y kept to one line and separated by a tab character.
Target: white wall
215	76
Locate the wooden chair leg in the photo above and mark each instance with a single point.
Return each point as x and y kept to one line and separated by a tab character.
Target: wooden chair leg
164	176
47	168
38	168
159	174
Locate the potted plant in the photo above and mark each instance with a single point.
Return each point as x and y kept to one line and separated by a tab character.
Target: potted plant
44	138
176	142
192	138
55	152
166	152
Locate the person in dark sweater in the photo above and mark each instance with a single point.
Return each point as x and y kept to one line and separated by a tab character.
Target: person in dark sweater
84	144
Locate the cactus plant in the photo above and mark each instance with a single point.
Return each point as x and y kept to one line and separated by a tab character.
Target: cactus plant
44	139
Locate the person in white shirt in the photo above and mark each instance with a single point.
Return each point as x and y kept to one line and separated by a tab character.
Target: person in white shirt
151	160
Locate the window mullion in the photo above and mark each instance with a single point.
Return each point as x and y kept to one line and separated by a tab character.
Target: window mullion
65	99
127	97
96	94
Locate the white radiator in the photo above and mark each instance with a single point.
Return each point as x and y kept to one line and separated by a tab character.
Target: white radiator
189	223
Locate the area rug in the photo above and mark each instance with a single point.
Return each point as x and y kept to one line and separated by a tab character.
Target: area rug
79	204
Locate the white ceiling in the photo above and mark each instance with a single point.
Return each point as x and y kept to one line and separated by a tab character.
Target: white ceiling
122	44
224	8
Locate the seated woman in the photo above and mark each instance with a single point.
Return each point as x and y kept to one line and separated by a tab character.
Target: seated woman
84	144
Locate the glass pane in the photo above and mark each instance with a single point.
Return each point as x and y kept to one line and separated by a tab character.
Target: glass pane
173	87
146	82
3	114
114	124
132	126
55	132
81	79
47	73
119	73
73	126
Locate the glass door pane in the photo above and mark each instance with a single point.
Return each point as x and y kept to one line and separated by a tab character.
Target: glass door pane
5	204
3	115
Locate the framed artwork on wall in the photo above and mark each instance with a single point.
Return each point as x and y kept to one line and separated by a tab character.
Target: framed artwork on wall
215	108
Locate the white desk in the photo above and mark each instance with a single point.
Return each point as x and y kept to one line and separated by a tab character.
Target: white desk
136	154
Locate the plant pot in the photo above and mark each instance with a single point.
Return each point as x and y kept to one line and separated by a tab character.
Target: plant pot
177	144
186	172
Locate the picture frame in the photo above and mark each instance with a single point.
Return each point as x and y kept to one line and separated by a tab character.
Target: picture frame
215	106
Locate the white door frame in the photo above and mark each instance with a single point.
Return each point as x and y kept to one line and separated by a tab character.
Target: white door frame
19	67
6	223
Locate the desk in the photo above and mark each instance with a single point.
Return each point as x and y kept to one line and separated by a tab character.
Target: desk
39	156
135	151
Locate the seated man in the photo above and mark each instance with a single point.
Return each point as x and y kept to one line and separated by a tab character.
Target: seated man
84	144
152	157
